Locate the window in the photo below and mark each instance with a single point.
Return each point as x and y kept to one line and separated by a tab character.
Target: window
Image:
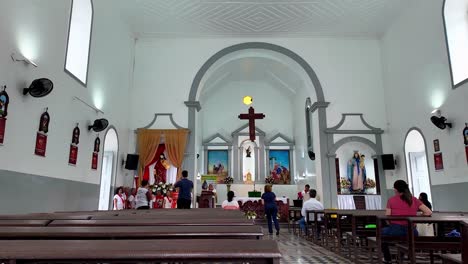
79	39
456	35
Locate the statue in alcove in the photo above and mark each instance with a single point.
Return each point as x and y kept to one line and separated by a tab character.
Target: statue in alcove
248	152
357	173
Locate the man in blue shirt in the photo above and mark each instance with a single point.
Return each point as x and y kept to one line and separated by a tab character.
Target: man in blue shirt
185	191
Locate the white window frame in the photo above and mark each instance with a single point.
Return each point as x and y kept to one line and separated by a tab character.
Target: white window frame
83	79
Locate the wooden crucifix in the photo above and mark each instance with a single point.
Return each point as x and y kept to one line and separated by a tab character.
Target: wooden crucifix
251	116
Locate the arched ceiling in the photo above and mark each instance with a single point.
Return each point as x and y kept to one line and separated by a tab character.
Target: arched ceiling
260	18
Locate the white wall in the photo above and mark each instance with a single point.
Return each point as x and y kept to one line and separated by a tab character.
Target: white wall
39	29
417	80
349	71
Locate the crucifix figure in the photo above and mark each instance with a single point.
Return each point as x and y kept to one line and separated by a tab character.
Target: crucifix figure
251	116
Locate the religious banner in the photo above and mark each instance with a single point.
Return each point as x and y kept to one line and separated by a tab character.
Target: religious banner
4	101
73	154
94	160
438	161
279	166
41	135
465	139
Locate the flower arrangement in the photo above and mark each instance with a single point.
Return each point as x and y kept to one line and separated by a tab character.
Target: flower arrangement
251	215
370	183
163	187
228	180
269	180
345	183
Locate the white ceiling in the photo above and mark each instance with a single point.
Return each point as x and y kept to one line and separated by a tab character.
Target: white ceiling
260	18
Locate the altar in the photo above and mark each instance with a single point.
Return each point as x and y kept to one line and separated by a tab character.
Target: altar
369	202
253	204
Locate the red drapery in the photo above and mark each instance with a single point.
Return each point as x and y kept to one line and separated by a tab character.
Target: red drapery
159	151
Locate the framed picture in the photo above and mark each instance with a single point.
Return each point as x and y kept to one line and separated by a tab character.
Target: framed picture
436	145
279	165
218	162
438	162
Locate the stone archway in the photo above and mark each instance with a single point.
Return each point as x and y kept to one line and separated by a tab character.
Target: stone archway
320	105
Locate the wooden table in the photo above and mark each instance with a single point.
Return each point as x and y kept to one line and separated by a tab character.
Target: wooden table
156	222
135	251
131	232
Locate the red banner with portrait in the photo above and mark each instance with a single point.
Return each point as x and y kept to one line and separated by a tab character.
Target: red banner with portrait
94	161
41	144
2	129
73	155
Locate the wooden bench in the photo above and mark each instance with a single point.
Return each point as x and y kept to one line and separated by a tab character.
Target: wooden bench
451	258
118	251
155	222
131	232
22	222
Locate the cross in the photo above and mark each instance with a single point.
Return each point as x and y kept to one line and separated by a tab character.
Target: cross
251	116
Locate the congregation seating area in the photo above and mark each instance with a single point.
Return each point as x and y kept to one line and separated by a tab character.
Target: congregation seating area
131	236
357	236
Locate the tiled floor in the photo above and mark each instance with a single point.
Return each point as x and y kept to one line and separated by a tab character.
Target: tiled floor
298	250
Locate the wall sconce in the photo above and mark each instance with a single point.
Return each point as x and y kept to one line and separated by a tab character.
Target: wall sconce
20	57
439	121
198	176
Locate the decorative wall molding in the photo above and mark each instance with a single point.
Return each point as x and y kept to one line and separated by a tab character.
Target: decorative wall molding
238	132
195	104
208	141
336	129
288	142
156	117
318	105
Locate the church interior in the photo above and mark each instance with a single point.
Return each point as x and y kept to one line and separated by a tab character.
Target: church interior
343	105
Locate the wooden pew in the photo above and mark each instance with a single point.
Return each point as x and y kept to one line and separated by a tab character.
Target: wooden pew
22	222
463	257
155	222
46	217
118	251
412	243
131	232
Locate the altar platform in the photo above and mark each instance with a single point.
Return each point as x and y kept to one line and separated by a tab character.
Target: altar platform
351	202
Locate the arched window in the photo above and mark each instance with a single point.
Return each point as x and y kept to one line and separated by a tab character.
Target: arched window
456	35
79	40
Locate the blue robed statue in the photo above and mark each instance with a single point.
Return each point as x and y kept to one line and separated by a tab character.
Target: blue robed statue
357	173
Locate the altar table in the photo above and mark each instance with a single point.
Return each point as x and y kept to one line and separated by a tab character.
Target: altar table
254	204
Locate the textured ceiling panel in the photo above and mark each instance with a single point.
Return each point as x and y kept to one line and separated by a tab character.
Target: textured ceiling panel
243	18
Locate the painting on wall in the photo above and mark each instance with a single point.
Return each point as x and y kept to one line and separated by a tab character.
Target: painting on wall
438	162
280	170
436	145
73	153
218	163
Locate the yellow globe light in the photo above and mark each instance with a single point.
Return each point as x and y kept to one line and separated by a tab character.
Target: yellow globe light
248	100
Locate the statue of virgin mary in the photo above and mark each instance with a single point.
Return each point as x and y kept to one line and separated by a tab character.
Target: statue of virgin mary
357	173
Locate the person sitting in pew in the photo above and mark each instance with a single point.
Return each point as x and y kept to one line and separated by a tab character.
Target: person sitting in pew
423	198
230	204
311	204
403	203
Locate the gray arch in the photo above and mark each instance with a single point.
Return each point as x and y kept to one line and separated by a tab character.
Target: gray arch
345	140
320	106
116	162
256	45
425	150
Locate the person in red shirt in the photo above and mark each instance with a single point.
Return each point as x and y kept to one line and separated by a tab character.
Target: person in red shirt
403	203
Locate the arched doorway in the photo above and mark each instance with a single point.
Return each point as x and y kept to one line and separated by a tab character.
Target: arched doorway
314	90
416	163
108	168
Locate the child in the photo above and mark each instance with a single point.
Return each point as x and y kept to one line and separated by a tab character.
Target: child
168	200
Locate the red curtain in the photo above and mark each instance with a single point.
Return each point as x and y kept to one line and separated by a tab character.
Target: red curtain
159	151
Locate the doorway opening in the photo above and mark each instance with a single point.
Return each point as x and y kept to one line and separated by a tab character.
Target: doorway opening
416	164
108	168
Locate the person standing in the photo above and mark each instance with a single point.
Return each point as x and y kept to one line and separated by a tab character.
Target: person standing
271	210
143	196
119	201
185	191
305	193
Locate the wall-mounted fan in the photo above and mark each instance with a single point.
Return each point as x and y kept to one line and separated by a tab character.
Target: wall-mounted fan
99	125
440	122
39	88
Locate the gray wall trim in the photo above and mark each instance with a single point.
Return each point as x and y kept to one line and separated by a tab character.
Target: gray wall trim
345	140
335	129
238	132
156	117
318	105
54	194
425	151
450	197
289	142
207	142
195	104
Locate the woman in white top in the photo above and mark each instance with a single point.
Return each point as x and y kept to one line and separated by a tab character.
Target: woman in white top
143	196
230	204
119	202
168	200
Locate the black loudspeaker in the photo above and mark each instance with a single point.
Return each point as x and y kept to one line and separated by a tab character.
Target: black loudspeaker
311	155
388	162
132	162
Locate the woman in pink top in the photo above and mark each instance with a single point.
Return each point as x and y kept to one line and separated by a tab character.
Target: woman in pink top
403	203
